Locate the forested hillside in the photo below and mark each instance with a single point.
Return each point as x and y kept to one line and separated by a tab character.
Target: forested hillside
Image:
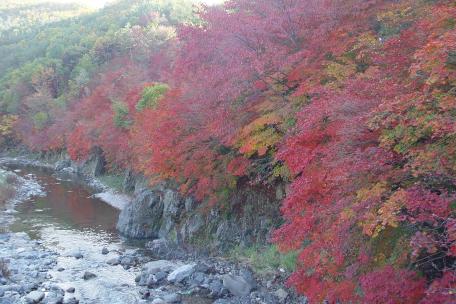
350	102
18	17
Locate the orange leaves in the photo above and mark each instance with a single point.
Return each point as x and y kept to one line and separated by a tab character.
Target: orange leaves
260	135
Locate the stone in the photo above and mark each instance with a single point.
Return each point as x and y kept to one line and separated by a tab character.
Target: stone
248	276
281	295
164	248
142	218
159	266
104	251
237	285
60	165
154	279
138	278
172	298
53	298
172	207
88	275
216	288
181	273
34	297
60	269
128	261
114	261
145	293
71	289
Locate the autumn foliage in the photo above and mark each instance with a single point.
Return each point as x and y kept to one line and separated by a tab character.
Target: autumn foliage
351	101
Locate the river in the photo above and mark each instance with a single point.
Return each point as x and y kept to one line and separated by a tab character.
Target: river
72	227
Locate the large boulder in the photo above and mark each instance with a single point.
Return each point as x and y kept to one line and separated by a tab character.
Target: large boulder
142	219
34	297
181	273
237	285
159	266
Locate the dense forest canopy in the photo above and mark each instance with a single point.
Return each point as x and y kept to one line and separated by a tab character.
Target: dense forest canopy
350	102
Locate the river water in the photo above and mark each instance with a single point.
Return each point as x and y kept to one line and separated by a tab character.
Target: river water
68	220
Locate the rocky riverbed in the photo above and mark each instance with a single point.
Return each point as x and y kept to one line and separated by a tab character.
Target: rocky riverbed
58	245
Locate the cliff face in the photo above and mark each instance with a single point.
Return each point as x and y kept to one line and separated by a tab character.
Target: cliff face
249	215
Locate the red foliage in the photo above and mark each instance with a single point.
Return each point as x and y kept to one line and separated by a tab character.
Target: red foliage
383	287
371	148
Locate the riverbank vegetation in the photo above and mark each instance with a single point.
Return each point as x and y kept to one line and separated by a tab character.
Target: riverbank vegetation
352	103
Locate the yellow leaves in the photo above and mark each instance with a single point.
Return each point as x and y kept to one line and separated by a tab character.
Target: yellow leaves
367	40
386	216
374	192
260	135
340	71
6	124
395	17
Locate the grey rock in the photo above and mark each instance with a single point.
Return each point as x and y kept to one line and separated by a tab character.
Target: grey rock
189	204
156	278
60	269
34	297
237	285
159	266
145	293
164	248
128	261
199	277
114	261
138	278
181	273
57	290
128	183
172	207
53	298
192	226
71	290
104	251
60	165
216	288
143	217
249	277
227	234
88	275
281	294
96	164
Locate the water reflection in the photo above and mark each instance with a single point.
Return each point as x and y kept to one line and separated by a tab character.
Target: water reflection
66	205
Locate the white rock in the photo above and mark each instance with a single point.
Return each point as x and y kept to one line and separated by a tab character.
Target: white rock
181	273
34	297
